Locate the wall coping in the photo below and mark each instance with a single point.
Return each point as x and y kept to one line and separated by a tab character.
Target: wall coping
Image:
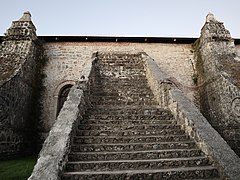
173	40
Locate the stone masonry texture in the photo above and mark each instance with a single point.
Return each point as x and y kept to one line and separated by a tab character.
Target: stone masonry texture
17	58
121	132
127	83
218	67
117	139
66	61
191	119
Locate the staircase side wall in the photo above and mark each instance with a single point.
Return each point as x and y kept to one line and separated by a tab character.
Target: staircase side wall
207	138
169	95
54	153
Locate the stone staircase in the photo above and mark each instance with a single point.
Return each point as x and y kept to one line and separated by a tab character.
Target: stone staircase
126	135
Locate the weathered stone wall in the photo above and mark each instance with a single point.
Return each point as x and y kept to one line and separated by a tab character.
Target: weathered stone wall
66	61
218	68
238	51
54	153
18	64
193	122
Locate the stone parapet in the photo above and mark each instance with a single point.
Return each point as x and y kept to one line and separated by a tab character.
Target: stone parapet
54	153
55	148
208	139
169	96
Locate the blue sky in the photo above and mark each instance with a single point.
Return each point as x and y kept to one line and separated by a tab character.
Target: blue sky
168	18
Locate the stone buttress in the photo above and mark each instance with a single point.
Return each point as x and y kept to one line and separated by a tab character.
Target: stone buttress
17	81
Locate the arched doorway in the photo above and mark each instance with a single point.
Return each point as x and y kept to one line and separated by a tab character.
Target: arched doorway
62	97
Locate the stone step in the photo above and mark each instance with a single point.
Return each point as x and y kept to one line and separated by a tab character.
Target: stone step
113	165
128	139
128	74
130	93
102	57
121	56
132	146
126	61
114	73
104	93
118	91
104	127
121	62
124	98
130	77
204	172
128	117
152	154
129	132
129	110
103	88
127	122
121	68
120	85
132	102
125	81
122	78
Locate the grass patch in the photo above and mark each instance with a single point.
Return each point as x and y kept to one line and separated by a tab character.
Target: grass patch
17	168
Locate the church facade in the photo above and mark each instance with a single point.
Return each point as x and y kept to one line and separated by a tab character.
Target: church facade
37	73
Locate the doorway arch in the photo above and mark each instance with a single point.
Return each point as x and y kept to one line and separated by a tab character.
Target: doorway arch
62	97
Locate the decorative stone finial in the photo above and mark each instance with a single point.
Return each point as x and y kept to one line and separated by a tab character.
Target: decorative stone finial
26	16
210	18
23	29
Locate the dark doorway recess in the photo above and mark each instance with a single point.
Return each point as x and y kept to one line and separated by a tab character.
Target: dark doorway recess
62	97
